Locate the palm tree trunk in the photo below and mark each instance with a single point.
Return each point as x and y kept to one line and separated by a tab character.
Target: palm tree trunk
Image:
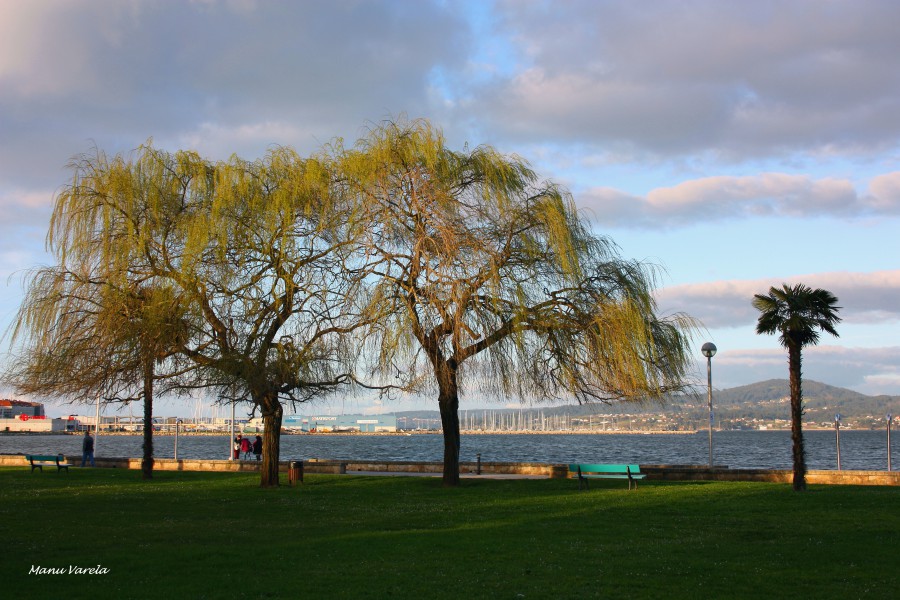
147	460
799	453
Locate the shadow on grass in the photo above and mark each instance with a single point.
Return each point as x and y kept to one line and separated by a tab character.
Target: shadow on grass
219	535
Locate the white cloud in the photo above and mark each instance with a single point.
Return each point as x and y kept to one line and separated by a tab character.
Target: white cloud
863	297
24	203
24	215
728	79
729	197
121	72
884	193
249	140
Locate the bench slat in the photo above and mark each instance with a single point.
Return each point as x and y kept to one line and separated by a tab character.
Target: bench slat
39	461
588	468
605	471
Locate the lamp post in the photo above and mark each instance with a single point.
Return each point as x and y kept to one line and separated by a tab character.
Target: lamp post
231	441
709	350
889	417
837	437
177	423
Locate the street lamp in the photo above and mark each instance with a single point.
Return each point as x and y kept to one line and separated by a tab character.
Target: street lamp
889	417
177	423
231	455
837	437
709	350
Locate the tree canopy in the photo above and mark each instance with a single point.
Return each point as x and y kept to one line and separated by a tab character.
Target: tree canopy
485	277
395	260
253	252
93	332
797	314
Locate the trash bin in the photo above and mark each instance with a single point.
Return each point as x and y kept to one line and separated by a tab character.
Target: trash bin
295	471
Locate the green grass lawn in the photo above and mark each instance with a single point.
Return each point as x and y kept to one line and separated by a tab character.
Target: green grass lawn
217	535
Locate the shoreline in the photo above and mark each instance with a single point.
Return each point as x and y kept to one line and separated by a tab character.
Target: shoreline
488	469
475	432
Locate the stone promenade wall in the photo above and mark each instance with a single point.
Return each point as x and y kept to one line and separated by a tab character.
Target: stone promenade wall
654	472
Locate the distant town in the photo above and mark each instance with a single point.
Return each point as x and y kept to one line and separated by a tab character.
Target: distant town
761	406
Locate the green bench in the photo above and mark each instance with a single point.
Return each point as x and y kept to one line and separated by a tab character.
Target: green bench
39	461
585	471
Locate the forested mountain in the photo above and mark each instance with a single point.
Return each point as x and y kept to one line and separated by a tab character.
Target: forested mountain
758	402
774	389
822	402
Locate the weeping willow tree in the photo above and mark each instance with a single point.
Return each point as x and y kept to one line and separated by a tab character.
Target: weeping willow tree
253	252
86	333
161	327
484	276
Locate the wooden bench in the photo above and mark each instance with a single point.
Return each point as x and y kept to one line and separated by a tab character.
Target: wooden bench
39	461
585	471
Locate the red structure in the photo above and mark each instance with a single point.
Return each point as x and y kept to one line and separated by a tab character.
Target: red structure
11	409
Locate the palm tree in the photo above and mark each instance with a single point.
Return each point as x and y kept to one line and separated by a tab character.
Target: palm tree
798	313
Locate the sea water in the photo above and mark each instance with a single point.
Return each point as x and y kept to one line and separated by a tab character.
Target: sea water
860	450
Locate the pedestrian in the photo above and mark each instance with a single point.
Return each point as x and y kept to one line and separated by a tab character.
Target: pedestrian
257	447
87	448
237	446
246	447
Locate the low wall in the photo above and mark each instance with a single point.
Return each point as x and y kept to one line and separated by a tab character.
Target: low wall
491	468
694	473
654	472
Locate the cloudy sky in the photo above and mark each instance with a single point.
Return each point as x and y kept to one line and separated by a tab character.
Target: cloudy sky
736	144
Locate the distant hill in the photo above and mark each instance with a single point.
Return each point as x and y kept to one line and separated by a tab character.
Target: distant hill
769	399
774	389
764	400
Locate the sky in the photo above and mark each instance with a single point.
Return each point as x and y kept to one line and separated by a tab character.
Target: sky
735	145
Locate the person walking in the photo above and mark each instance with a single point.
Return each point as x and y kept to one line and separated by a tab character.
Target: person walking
87	448
257	447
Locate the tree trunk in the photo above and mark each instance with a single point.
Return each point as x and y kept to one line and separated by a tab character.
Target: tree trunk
448	401
799	453
268	470
147	460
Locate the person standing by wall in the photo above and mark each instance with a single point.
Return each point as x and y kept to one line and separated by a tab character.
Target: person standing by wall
257	447
87	448
237	446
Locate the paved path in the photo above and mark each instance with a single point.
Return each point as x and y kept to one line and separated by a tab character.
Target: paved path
461	475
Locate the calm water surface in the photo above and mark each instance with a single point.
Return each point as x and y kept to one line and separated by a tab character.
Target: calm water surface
865	450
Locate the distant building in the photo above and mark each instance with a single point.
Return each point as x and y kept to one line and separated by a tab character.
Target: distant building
10	409
18	415
341	423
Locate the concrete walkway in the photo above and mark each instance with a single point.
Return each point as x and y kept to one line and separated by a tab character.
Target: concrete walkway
461	475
